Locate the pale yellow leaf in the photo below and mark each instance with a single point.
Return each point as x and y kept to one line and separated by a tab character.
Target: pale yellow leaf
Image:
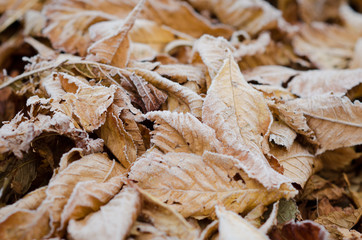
234	227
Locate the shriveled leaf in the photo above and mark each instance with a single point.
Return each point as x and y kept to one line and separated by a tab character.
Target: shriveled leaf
318	188
272	75
191	101
179	178
233	226
312	11
241	119
282	135
304	230
343	219
112	221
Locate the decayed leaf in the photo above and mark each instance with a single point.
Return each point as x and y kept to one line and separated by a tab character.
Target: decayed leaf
187	99
241	119
179	178
112	49
157	220
319	188
281	134
287	211
337	122
317	82
79	97
326	46
304	230
30	201
233	226
343	219
297	162
179	132
112	221
17	135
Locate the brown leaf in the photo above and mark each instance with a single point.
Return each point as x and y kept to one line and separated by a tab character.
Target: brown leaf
311	11
112	221
188	101
339	158
318	188
241	129
304	230
113	49
179	178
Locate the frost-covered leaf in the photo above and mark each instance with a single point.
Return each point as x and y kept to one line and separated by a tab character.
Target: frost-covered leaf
113	49
337	122
233	226
272	75
159	221
187	100
281	134
297	162
318	82
179	132
241	119
180	178
112	221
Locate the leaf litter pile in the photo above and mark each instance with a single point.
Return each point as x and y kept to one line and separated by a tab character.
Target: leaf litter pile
170	119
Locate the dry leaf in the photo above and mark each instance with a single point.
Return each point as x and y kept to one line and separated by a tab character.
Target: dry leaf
305	230
179	178
281	134
188	100
297	162
233	226
337	122
179	132
158	221
312	11
241	119
112	221
319	188
318	82
339	158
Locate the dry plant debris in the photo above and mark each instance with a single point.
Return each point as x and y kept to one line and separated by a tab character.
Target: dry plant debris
180	119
